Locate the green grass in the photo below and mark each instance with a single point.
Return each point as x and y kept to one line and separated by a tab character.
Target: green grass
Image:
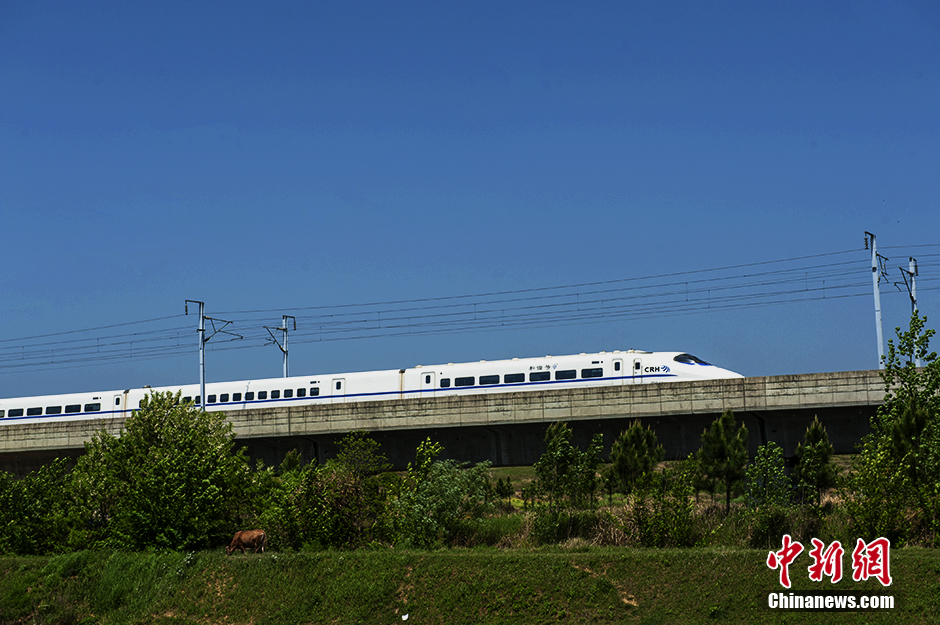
580	584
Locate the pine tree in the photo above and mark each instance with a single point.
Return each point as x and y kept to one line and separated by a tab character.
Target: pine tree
723	454
634	456
814	472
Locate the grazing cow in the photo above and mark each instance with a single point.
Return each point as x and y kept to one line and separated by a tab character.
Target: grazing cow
252	539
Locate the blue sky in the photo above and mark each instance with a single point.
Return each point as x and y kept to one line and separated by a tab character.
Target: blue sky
274	158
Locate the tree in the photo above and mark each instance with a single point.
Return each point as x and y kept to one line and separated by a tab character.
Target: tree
905	384
895	472
634	456
767	483
664	514
33	510
723	454
355	494
360	455
814	472
170	480
566	473
438	496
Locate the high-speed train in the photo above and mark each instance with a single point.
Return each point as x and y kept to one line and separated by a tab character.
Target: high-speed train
483	377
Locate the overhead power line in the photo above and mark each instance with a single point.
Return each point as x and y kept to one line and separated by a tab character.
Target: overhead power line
750	285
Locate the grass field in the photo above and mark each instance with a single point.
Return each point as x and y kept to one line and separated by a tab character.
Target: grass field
572	584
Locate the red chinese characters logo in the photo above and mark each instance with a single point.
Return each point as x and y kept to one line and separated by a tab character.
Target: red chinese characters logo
868	560
782	559
871	560
828	562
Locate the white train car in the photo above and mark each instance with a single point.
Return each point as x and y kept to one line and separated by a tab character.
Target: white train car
484	377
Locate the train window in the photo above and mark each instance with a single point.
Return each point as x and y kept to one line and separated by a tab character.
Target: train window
16	412
211	399
427	379
567	374
468	381
275	394
250	396
301	392
315	391
117	401
636	365
617	366
54	410
597	372
73	408
513	378
288	393
223	398
198	400
262	394
33	412
540	376
92	407
2	413
489	379
236	396
339	385
445	382
186	400
689	359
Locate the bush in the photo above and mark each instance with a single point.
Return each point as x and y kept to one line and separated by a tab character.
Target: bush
169	480
567	475
437	497
663	515
33	511
893	490
767	483
553	527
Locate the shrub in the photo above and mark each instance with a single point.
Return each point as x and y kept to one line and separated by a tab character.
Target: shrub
169	480
663	515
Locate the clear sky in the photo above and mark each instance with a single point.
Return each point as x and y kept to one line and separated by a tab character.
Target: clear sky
677	176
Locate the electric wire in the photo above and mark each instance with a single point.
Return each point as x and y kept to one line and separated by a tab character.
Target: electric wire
769	283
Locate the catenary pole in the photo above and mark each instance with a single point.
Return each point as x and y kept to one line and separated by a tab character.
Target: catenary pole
876	278
284	330
202	350
912	272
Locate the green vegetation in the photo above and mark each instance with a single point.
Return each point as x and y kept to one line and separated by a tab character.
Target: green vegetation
169	480
633	457
893	490
578	585
814	471
106	540
723	455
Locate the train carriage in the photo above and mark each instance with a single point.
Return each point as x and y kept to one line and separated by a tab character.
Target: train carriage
483	377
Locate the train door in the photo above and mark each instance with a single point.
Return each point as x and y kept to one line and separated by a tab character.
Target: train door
428	382
339	390
119	405
618	371
637	371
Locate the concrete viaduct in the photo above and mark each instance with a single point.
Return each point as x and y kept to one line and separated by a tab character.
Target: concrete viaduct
508	428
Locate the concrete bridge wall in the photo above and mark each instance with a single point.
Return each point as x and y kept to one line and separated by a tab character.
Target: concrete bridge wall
508	428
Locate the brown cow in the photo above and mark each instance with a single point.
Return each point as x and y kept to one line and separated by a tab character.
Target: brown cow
252	539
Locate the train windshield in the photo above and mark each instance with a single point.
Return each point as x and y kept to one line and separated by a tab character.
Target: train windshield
689	359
